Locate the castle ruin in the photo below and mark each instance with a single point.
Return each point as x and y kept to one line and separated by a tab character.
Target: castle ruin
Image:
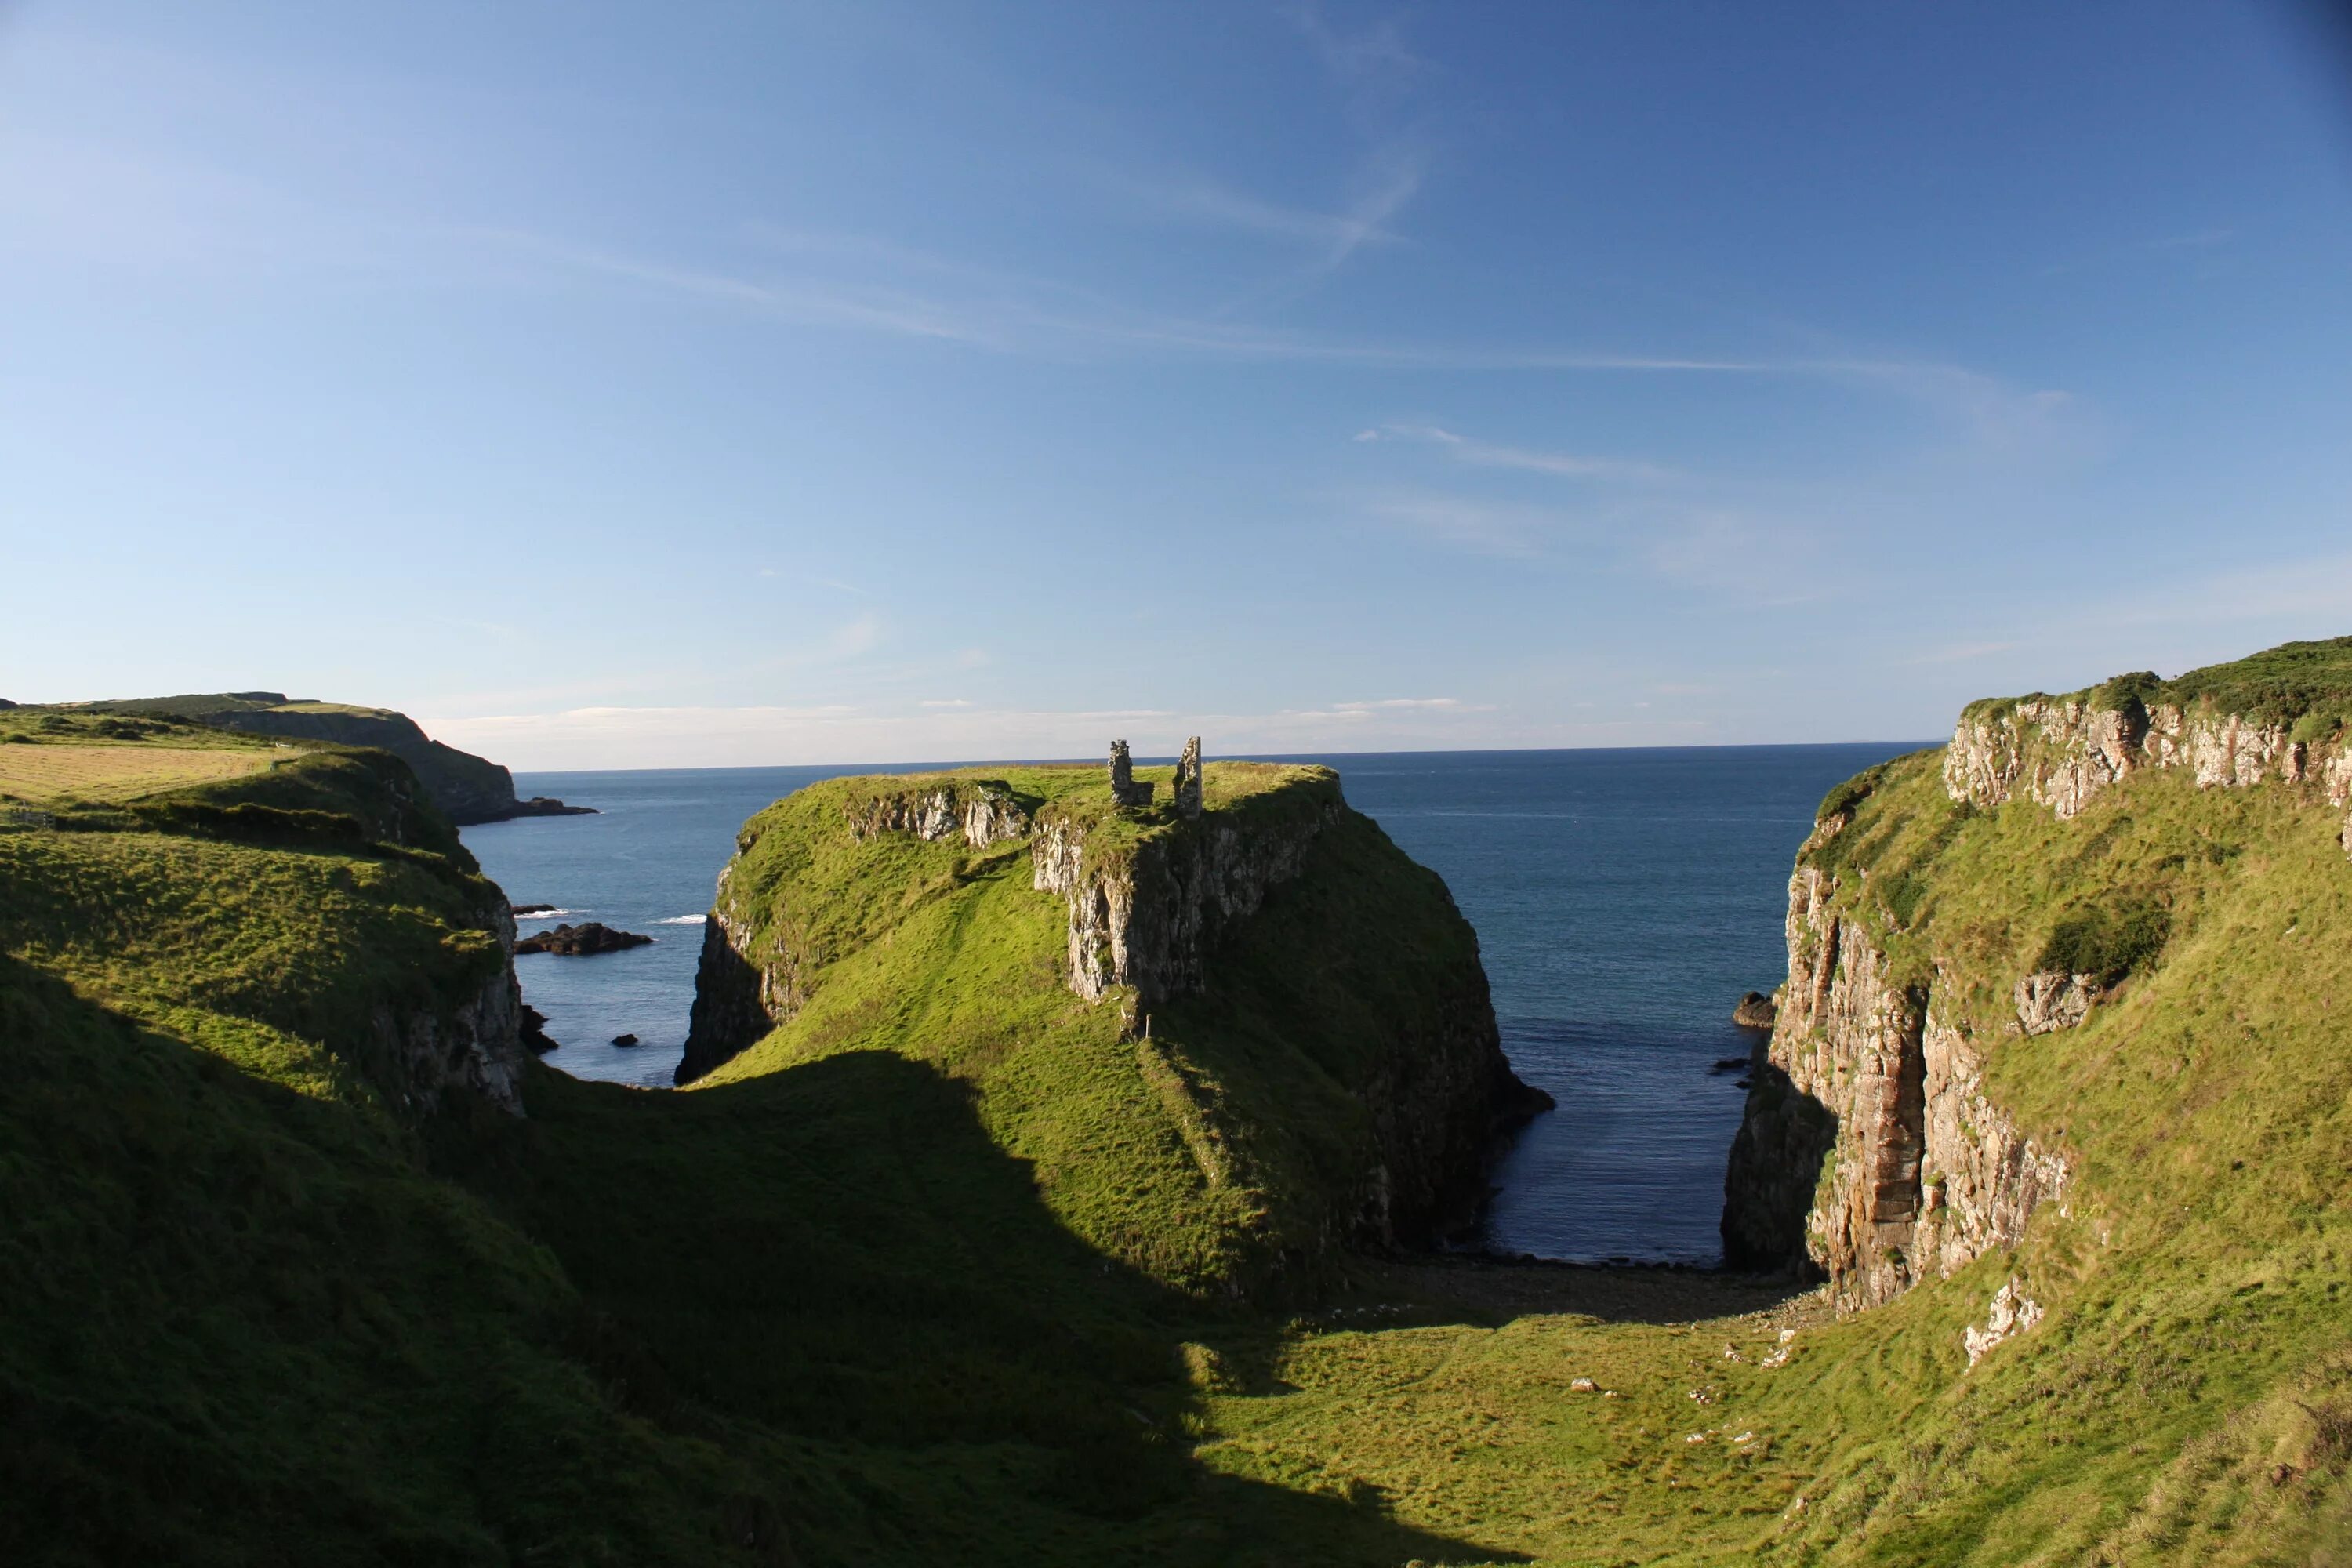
1125	791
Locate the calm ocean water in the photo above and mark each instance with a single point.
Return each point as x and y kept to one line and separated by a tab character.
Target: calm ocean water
1623	900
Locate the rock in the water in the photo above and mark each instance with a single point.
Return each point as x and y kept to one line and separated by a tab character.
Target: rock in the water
531	908
573	942
543	805
624	1039
533	1033
1755	1011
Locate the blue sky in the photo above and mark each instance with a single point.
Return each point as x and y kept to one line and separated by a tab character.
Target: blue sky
616	385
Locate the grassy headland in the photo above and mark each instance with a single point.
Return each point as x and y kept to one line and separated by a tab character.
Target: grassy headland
920	1278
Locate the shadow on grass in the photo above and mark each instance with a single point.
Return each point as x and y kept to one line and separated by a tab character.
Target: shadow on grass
838	1272
242	1325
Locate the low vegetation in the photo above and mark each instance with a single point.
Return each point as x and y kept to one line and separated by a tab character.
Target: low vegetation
873	1296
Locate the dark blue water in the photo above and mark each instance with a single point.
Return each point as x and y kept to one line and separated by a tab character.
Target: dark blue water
1623	900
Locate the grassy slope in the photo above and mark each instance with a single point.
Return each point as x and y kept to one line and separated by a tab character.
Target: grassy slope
243	1321
1211	1156
855	1302
2200	1336
248	1313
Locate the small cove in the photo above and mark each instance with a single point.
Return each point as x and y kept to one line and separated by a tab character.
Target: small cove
1622	898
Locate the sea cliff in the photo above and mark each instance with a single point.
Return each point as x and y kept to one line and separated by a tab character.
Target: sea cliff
1875	1150
1317	1072
466	789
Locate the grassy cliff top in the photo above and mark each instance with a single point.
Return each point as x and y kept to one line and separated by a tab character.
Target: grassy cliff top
880	1298
50	758
2306	681
1200	1156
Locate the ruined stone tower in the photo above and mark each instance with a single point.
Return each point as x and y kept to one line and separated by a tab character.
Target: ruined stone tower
1123	787
1188	779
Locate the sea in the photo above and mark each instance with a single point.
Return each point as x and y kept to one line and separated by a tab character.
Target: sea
1623	900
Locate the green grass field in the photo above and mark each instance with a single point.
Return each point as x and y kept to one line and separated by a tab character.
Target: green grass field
921	1279
45	773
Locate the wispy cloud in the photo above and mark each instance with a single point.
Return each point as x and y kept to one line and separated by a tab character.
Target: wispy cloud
1373	52
1486	527
1486	454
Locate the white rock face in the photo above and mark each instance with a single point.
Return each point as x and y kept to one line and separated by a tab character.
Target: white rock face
985	816
2053	1001
1143	921
2013	1313
2060	753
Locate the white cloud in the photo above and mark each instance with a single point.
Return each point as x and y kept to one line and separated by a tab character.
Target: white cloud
936	730
857	637
1486	454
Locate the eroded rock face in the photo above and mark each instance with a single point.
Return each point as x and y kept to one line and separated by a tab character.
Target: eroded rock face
983	814
477	1047
2013	1312
1868	1152
739	995
2053	1001
2061	753
1145	920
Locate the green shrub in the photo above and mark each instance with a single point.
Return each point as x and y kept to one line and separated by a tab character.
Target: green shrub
2108	941
2315	727
2130	693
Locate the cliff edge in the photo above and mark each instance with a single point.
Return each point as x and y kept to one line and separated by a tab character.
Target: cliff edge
1238	1030
466	789
1955	911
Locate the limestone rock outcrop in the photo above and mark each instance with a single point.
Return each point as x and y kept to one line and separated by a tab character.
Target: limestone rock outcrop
2013	1312
1145	916
1864	1087
2049	1002
2061	752
984	814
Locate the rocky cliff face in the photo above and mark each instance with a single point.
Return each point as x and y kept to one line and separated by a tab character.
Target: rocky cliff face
738	998
468	788
1144	916
476	1046
984	814
2060	751
1869	1153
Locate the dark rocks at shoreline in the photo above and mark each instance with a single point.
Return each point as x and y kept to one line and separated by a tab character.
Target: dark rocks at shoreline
547	806
1729	1064
521	909
1755	1011
624	1039
580	941
533	1033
